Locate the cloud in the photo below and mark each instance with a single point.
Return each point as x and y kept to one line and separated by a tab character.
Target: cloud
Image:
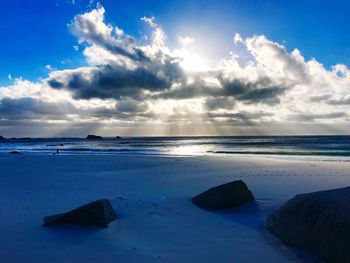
185	41
219	103
142	83
33	109
122	68
341	101
313	117
237	38
320	98
114	81
91	29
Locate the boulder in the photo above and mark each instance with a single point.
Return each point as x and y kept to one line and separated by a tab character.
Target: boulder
224	196
93	137
15	152
118	137
2	138
98	213
318	223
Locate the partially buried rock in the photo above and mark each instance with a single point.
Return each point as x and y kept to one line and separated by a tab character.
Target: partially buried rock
224	196
15	152
99	213
318	223
2	138
93	137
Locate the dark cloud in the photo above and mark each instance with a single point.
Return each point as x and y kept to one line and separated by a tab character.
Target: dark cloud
28	112
29	108
130	106
219	103
151	72
261	91
243	116
90	28
342	101
268	95
313	117
320	98
115	81
54	84
125	110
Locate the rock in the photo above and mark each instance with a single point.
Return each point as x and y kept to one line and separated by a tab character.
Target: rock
224	196
93	137
2	138
118	137
99	213
15	152
318	223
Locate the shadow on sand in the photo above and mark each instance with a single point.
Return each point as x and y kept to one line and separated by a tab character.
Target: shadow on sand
72	234
251	215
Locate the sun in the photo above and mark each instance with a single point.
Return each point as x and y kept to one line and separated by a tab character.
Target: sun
192	62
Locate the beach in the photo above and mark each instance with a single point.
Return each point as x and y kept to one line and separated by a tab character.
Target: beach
156	221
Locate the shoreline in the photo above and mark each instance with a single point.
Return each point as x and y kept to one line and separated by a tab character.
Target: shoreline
308	158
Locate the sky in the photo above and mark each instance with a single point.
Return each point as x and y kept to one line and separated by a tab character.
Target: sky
72	67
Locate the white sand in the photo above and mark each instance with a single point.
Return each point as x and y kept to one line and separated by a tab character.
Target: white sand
151	195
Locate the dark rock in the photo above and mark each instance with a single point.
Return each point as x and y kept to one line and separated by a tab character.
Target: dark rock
2	138
99	213
318	223
93	137
224	196
15	152
118	137
61	144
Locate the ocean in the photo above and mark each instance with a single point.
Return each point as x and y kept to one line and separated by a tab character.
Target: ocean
324	146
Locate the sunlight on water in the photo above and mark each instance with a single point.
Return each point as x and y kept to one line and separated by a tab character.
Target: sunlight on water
332	146
190	150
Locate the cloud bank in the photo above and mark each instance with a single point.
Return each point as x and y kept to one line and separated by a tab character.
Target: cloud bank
132	87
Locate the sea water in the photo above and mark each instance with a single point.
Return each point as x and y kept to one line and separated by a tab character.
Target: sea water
323	146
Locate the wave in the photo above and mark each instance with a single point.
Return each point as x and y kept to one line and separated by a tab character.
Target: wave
292	153
187	146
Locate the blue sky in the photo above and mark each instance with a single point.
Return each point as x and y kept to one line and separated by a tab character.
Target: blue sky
77	67
34	33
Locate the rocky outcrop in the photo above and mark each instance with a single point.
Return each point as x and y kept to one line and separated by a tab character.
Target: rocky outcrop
318	223
15	152
99	213
2	138
224	196
93	137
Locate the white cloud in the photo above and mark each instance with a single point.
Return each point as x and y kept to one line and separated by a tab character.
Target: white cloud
185	41
237	39
127	80
49	67
158	35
